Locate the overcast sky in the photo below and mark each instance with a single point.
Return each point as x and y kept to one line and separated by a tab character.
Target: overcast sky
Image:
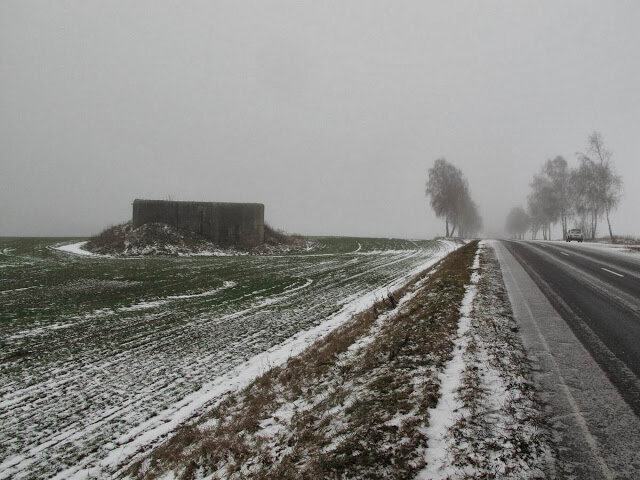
329	113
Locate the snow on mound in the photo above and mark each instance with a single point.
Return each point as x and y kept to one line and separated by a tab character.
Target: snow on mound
148	239
159	239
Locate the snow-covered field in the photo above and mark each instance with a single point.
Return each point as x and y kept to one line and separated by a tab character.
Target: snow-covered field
102	357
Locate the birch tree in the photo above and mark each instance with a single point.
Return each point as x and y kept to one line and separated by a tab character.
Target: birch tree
558	175
448	192
543	204
445	187
518	222
598	188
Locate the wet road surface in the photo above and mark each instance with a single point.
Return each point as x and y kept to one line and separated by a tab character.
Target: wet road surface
578	307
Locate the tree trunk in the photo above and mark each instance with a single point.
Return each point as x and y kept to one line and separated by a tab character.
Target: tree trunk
446	222
609	224
453	230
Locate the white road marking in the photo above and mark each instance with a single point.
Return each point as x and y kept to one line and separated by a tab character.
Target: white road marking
564	254
611	271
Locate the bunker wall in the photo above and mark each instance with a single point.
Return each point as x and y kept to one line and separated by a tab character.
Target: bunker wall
226	224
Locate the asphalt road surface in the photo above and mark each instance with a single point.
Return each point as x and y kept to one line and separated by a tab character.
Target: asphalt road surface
579	309
597	288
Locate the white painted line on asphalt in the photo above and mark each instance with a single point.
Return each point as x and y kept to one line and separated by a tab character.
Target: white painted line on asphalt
564	254
610	271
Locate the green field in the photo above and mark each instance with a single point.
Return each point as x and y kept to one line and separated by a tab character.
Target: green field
91	348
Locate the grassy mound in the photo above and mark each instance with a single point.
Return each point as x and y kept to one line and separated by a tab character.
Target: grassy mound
110	241
163	239
278	238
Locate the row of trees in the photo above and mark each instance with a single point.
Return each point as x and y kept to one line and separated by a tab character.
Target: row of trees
448	192
584	194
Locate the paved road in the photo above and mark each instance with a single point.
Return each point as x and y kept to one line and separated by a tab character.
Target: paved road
597	291
579	309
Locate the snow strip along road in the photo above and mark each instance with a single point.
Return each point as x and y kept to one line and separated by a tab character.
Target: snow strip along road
443	416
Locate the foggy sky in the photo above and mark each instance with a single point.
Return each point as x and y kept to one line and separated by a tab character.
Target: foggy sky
329	113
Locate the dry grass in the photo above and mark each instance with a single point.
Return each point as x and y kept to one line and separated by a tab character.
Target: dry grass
354	405
274	236
110	240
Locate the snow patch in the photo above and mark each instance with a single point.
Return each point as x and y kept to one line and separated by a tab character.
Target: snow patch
443	416
6	292
76	249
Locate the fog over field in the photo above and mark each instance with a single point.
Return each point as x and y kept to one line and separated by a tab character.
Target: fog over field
329	113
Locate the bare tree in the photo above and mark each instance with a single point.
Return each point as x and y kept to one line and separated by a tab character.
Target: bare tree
449	196
558	174
470	221
550	198
590	191
445	185
518	222
612	196
543	204
585	197
598	188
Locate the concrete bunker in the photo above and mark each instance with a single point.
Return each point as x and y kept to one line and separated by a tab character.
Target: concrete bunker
225	224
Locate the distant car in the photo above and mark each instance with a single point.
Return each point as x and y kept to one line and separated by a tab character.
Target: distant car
575	234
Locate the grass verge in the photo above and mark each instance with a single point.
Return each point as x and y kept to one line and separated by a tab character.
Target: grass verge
500	430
